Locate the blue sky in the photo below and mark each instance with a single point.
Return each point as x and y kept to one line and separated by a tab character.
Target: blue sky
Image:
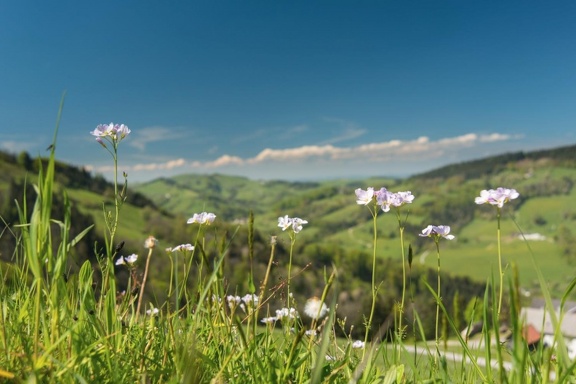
304	90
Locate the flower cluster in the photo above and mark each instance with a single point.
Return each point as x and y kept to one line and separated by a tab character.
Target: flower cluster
114	132
128	260
282	314
437	231
384	198
202	218
294	222
248	300
181	247
498	196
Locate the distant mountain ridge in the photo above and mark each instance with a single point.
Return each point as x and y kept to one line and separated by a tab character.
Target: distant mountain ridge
493	164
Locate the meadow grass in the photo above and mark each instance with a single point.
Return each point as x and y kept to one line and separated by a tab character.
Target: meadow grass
62	327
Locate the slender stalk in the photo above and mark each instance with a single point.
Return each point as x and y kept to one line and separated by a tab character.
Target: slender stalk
141	295
401	309
437	240
292	241
501	274
375	238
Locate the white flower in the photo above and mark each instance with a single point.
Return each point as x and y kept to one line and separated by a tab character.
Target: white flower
202	218
311	332
364	197
358	344
181	247
269	320
286	313
315	309
152	312
129	260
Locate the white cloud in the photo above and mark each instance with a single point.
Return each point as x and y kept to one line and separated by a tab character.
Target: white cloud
420	150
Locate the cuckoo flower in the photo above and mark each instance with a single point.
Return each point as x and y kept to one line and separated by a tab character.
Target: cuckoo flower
202	218
296	223
497	197
437	232
128	260
115	132
364	197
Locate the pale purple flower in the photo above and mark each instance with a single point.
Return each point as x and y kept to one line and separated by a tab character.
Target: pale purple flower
364	197
297	224
402	198
437	231
202	218
116	132
385	199
129	260
498	196
181	247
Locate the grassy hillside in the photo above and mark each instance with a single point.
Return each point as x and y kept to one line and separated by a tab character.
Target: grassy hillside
544	179
339	232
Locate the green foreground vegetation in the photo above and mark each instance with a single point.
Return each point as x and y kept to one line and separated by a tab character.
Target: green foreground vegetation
70	314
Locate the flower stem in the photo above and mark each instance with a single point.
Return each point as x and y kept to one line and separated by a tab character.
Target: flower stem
437	240
143	282
401	309
369	324
501	274
292	241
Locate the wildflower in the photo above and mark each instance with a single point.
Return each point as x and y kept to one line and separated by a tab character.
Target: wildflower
284	222
150	242
152	312
358	344
498	196
117	132
286	313
294	222
438	231
128	260
250	299
315	309
364	197
330	358
311	332
181	247
401	198
269	320
202	218
297	224
385	199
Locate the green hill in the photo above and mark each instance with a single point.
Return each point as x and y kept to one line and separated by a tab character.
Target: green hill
339	232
